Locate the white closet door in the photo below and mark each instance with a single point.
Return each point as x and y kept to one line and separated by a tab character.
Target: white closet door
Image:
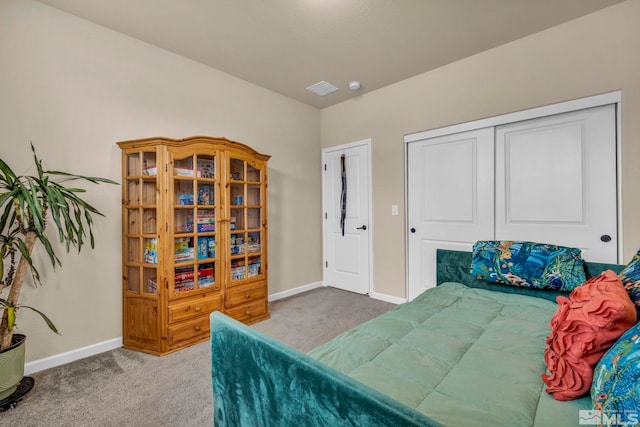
450	190
556	181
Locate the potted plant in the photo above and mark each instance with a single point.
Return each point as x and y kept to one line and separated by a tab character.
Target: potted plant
27	205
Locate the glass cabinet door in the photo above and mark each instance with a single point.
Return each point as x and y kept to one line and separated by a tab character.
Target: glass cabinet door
141	234
246	189
195	200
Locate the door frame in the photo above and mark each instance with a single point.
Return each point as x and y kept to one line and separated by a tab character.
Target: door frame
532	113
370	226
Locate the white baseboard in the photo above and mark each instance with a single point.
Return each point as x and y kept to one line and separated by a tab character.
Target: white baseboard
70	356
387	298
295	291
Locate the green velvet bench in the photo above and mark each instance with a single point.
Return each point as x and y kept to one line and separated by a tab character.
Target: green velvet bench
464	353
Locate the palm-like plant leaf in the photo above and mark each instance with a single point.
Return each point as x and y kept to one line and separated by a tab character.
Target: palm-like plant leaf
11	311
24	252
44	317
25	203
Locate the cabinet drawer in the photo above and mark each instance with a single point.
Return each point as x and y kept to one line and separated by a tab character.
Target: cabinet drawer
249	313
187	330
244	294
189	308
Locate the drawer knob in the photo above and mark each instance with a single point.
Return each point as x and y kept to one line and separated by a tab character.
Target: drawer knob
197	309
248	295
248	312
197	328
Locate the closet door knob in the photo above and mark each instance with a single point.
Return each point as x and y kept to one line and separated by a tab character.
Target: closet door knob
413	230
605	238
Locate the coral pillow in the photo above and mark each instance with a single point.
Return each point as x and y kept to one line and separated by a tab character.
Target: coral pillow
585	325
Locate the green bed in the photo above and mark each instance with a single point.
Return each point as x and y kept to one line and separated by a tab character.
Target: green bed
457	355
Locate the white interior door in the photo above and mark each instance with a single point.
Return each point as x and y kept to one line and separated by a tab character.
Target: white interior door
347	242
556	181
450	199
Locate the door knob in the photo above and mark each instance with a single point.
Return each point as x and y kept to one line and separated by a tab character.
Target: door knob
364	227
413	230
605	238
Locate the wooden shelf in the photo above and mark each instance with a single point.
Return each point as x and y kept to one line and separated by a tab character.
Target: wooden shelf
179	200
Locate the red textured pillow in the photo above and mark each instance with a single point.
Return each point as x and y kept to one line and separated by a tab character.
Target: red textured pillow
585	325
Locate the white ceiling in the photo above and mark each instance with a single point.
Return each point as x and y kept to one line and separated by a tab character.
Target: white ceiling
287	45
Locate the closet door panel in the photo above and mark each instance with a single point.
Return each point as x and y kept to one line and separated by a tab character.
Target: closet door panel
556	181
450	199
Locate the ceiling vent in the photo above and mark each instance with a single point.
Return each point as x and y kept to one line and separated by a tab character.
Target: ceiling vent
322	88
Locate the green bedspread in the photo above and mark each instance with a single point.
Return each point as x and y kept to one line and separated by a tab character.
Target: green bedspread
462	356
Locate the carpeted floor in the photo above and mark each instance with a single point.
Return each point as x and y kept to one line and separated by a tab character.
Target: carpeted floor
127	388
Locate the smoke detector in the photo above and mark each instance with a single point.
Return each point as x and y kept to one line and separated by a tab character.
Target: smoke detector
322	88
354	85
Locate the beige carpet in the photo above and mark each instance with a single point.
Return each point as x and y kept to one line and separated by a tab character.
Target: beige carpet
127	388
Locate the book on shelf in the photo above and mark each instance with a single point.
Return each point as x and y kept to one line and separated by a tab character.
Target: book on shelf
206	218
150	170
206	228
150	255
205	195
182	172
187	255
185	199
183	278
211	247
238	269
206	276
206	247
186	286
254	267
182	249
152	288
181	243
184	274
206	167
203	248
237	273
237	249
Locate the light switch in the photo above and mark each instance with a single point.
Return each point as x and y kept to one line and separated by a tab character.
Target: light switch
394	209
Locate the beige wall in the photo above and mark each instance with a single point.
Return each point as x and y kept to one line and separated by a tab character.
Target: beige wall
74	89
591	55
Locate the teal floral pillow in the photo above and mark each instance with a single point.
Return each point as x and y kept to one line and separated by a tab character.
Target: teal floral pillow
528	264
630	277
616	379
